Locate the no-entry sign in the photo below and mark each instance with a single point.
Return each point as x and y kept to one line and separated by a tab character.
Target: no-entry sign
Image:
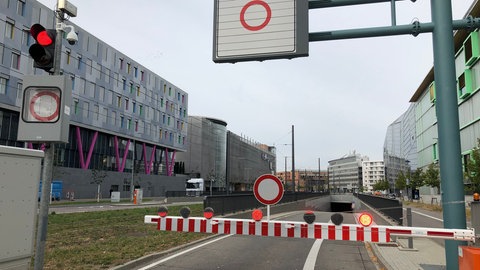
268	189
259	29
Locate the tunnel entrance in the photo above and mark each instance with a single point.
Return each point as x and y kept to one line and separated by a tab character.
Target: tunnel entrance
341	207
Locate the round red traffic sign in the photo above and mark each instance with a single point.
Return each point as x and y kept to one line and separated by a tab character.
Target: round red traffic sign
264	23
268	189
45	106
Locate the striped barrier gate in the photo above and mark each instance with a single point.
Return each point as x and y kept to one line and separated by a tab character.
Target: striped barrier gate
297	229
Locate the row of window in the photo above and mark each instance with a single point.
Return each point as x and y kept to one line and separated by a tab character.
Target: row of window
131	124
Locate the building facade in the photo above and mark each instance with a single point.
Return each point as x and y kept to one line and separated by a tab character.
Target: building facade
125	119
372	173
345	174
467	68
227	162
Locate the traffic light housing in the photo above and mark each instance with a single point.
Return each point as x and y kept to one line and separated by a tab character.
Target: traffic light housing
43	51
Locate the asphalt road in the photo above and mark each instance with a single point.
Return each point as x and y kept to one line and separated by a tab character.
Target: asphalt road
254	252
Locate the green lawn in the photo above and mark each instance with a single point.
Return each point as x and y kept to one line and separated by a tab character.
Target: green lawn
100	240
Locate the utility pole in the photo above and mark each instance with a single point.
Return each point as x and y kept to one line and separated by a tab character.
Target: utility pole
293	157
63	7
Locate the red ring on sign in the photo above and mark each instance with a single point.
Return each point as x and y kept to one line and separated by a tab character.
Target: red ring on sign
259	197
44	118
261	26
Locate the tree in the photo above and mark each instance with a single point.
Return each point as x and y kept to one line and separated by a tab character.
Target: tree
432	176
472	172
98	176
401	182
381	185
416	179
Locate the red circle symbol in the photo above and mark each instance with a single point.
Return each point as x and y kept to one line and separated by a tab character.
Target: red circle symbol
268	189
257	215
51	115
265	22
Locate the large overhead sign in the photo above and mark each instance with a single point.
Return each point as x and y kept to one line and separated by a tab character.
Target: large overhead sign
246	30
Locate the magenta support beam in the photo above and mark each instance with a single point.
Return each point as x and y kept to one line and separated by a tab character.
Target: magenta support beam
122	167
168	164
148	163
84	164
80	148
117	155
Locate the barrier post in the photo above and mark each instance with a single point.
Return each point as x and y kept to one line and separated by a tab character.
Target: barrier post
409	224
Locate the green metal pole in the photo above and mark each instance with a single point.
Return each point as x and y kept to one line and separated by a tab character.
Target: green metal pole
453	198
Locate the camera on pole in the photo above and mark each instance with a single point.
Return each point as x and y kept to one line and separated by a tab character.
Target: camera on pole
43	51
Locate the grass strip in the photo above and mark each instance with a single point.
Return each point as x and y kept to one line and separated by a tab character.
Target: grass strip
101	240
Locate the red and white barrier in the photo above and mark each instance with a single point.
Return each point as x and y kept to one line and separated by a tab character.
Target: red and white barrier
295	229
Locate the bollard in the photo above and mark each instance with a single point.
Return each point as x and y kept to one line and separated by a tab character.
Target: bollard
475	213
409	224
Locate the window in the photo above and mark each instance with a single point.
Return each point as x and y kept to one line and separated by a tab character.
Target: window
135	71
119	101
75	106
9	29
96	111
136	125
79	58
129	126
114	118
131	88
73	82
431	90
25	37
101	93
21	7
121	63
86	109
134	106
68	56
3	85
15	60
140	110
126	104
435	151
129	68
472	49
104	115
464	84
142	75
124	84
138	90
122	118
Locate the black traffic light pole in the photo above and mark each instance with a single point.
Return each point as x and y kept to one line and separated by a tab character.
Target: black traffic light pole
48	163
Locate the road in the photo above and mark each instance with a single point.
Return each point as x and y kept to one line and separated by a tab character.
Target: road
254	252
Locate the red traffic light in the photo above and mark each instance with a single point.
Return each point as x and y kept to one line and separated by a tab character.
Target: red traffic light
41	35
43	51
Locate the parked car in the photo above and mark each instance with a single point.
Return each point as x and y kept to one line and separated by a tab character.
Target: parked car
392	196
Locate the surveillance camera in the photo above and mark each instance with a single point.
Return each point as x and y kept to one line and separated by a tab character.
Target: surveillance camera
72	37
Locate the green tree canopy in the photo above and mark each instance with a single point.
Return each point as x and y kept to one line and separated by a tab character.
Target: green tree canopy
472	166
401	182
432	176
416	179
381	185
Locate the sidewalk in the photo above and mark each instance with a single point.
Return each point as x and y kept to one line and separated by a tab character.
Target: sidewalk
426	254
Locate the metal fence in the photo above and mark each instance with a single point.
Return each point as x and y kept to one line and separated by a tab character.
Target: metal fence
240	202
390	207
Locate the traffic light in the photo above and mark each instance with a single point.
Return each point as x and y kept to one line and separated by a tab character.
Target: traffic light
43	51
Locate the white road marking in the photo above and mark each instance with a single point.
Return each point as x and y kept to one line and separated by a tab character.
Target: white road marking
425	215
312	255
183	252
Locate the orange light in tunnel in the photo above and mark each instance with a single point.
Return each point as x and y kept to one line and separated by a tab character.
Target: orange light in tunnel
365	219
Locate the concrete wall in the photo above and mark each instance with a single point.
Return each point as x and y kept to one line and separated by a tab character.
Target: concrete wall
79	182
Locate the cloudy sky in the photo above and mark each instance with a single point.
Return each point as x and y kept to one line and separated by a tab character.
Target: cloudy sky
341	98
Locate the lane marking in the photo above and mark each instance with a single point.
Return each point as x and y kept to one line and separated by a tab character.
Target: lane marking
425	215
312	255
183	252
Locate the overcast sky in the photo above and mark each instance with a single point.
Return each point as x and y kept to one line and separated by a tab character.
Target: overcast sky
341	98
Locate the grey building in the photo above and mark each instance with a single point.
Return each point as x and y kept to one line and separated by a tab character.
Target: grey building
400	147
126	121
345	173
227	162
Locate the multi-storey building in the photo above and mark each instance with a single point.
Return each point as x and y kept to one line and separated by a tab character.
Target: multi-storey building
372	173
467	68
345	174
400	147
125	119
